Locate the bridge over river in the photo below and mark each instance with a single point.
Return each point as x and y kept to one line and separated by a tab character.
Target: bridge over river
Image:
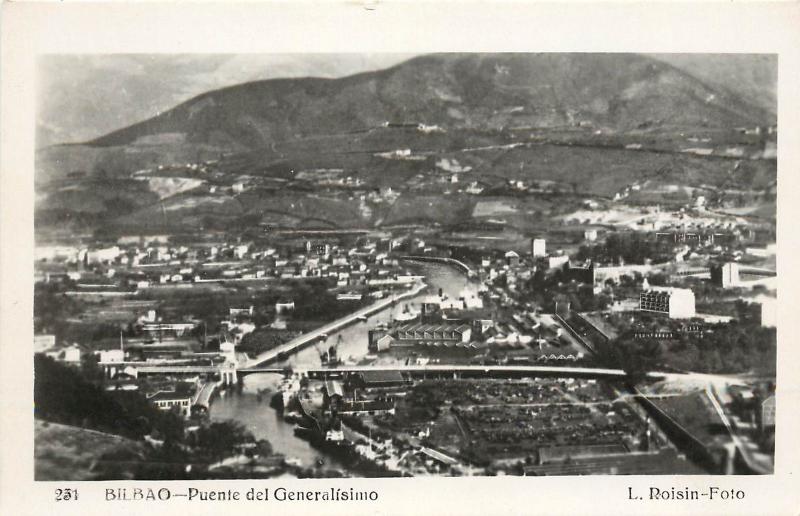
462	371
441	259
286	349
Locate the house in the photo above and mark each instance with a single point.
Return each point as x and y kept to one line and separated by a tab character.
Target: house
177	329
767	416
334	393
512	259
554	262
284	306
240	312
72	355
108	254
42	343
384	343
538	247
112	356
166	400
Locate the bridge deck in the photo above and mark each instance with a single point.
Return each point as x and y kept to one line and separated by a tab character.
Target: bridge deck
179	369
477	369
440	259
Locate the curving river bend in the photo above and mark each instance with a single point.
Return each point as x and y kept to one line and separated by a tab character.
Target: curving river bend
266	423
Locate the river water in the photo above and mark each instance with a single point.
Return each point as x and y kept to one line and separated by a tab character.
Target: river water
264	422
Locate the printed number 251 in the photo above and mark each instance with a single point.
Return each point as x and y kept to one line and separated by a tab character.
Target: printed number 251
65	495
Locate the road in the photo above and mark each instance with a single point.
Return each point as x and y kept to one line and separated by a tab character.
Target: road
751	461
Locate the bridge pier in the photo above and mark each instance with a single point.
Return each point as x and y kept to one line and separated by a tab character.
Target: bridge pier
228	377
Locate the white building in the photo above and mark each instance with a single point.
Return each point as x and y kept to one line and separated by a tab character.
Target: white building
112	356
108	254
512	258
167	400
53	252
590	235
240	251
678	303
42	343
761	252
557	261
72	355
284	307
726	275
769	311
538	248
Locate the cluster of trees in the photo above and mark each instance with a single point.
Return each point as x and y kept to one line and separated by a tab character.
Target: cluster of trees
547	289
51	306
633	248
725	349
65	395
61	394
264	339
312	300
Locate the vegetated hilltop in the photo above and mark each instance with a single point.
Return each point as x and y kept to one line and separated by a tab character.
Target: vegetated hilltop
618	91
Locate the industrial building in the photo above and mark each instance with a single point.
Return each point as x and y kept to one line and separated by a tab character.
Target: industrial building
678	303
433	332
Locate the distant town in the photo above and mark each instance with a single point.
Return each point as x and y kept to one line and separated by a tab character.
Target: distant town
390	354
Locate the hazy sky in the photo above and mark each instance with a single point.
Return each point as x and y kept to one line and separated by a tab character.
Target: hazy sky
84	96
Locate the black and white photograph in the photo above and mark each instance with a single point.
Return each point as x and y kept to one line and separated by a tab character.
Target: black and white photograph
399	257
259	266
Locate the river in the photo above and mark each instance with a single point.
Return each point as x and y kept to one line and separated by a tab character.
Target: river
265	423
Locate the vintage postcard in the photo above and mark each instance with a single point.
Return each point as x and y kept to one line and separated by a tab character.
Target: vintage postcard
319	279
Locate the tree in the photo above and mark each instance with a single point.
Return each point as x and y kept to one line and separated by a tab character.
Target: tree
220	438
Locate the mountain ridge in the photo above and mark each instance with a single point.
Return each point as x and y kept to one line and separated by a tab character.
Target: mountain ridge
455	90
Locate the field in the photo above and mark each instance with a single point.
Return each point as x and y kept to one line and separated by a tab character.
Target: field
496	421
558	174
63	452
